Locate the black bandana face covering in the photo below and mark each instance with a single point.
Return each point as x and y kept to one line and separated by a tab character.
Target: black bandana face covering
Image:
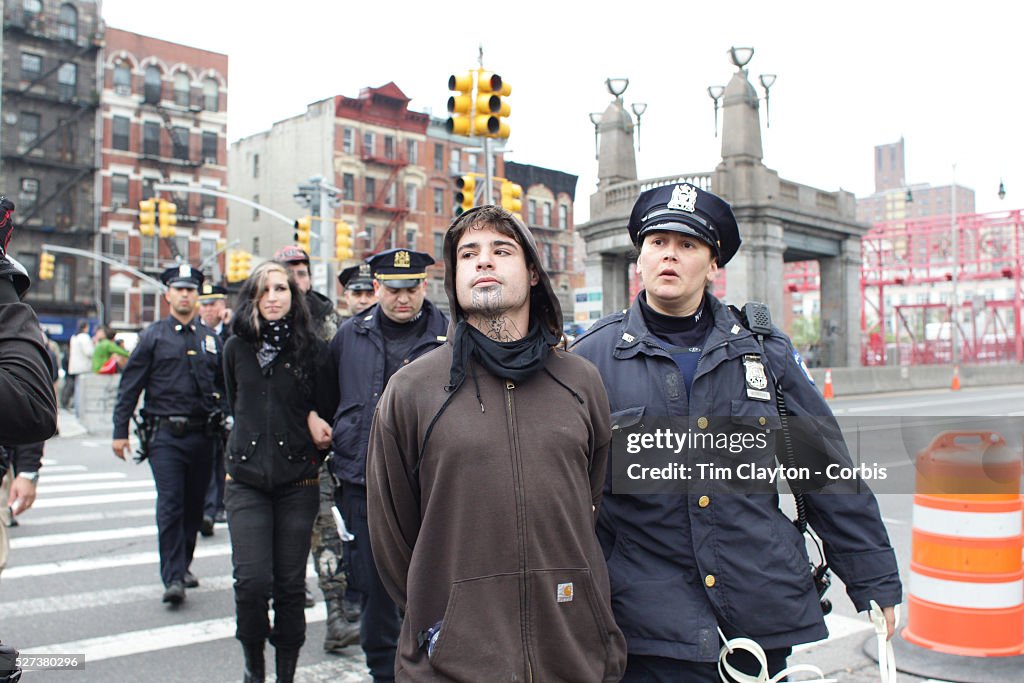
515	360
274	335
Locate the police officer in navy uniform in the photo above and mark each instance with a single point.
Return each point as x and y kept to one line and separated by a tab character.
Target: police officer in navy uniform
178	363
684	565
369	349
214	314
357	281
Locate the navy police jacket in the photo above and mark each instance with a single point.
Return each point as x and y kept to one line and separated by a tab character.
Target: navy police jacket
358	350
683	564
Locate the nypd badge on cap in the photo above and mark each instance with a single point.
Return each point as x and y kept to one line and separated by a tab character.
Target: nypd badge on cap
400	268
690	210
182	276
211	292
358	278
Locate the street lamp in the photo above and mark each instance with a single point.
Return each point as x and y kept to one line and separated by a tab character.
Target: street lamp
1002	189
740	57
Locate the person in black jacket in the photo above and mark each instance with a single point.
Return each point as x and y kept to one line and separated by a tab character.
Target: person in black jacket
279	380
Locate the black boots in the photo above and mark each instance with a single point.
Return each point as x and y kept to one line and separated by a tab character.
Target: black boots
255	669
286	661
340	631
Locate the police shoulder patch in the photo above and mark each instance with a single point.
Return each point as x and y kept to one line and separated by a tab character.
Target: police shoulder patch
803	366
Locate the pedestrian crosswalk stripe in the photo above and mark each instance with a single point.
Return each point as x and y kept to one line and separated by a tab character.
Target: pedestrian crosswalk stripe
62	468
29	521
111	597
51	478
106	499
46	540
107	562
94	486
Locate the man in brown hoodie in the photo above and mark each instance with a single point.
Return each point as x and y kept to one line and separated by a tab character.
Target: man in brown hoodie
482	493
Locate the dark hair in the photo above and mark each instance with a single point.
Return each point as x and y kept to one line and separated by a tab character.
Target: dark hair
109	332
485	216
246	321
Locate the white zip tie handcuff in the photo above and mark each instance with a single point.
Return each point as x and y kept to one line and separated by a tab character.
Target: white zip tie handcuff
886	658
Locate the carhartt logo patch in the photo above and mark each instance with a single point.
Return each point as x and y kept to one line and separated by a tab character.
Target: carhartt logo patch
565	592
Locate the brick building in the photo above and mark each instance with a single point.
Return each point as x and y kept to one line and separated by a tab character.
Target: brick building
163	116
48	165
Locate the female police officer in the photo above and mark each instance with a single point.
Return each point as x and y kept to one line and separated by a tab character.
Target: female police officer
684	566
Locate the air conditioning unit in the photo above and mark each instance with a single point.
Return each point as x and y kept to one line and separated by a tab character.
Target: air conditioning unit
210	160
122	89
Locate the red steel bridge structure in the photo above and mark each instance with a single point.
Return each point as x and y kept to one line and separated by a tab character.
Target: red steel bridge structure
916	255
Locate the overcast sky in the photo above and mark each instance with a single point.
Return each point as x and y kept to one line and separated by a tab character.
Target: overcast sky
942	75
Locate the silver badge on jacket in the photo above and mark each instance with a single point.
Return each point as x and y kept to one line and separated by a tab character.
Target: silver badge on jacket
756	378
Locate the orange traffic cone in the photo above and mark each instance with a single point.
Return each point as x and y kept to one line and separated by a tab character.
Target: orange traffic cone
956	378
827	392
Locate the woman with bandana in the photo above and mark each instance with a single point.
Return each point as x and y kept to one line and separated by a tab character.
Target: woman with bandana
275	369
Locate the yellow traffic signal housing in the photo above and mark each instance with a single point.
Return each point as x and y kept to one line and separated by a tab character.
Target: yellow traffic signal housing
461	105
465	188
342	241
168	219
46	266
239	265
303	235
491	108
511	197
147	217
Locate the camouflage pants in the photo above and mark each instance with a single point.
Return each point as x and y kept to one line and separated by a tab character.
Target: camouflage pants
326	544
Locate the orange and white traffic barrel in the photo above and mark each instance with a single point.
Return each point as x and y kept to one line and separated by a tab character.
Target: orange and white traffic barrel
966	574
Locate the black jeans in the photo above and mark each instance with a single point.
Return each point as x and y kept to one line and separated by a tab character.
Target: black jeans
381	623
269	546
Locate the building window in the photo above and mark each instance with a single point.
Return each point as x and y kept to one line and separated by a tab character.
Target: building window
348	141
439	247
151	93
122	79
209	147
67	81
181	89
62	289
28	194
211	95
255	165
369	142
256	246
471	161
547	256
547	214
29	132
179	138
348	187
31	65
67	22
208	205
181	243
66	140
439	200
31	8
118	311
120	128
564	257
391	198
411	197
368	234
148	251
370	195
255	210
119	246
410	237
438	156
148	306
147	187
455	165
389	147
563	216
531	212
151	138
118	191
207	248
412	152
65	211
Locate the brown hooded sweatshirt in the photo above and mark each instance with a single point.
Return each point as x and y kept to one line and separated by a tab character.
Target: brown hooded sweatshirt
488	528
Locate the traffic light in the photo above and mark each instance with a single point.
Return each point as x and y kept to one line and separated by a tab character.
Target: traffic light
460	106
303	226
342	241
465	188
511	197
491	108
239	265
46	264
147	217
168	219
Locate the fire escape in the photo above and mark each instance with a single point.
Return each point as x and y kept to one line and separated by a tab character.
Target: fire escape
385	201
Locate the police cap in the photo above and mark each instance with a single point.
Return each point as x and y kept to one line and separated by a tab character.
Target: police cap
212	292
183	276
400	268
690	210
358	278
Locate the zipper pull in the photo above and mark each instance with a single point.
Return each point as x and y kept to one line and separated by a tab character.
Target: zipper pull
509	385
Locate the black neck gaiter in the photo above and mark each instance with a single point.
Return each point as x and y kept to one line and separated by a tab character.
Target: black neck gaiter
515	360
